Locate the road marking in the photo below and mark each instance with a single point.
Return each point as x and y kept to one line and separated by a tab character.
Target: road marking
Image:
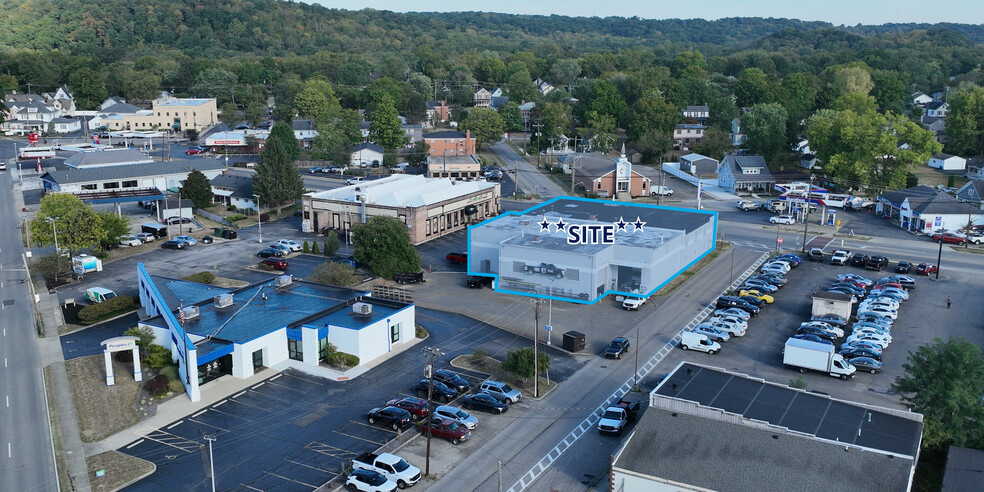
589	422
136	443
307	466
8	400
250	487
219	403
359	438
241	393
199	413
175	424
290	479
9	450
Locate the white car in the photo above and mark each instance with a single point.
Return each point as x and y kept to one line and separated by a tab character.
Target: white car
776	269
863	331
145	237
735	312
290	244
782	219
854	277
870	338
734	320
880	311
885	302
130	241
824	326
729	328
355	180
712	333
891	290
781	264
458	415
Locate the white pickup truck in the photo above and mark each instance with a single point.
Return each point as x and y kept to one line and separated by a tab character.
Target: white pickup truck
840	257
390	466
633	303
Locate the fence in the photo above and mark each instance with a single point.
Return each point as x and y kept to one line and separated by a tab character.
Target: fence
217	218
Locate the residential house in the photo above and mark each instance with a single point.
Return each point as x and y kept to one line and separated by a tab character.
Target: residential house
975	168
233	190
525	110
438	111
601	175
738	138
111	101
63	99
696	114
30	113
698	164
367	155
935	125
947	162
920	99
413	133
808	161
927	210
972	192
456	167
482	98
687	135
745	173
543	86
745	433
304	132
451	142
937	109
64	125
499	98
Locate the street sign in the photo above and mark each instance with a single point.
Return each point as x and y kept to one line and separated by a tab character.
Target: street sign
779	240
547	327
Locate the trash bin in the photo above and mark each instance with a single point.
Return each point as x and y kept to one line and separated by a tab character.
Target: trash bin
573	341
207	240
218	231
230	234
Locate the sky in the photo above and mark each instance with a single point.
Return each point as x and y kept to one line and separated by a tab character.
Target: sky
848	12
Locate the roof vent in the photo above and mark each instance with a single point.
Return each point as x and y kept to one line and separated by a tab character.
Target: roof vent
283	280
224	300
190	312
363	308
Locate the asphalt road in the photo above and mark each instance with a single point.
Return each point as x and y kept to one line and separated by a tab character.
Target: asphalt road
26	454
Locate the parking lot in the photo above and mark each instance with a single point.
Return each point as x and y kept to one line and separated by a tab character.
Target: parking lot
295	431
923	317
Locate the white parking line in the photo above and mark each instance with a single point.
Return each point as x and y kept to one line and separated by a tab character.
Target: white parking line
588	423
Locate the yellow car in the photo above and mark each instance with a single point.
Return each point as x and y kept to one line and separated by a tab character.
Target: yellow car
754	293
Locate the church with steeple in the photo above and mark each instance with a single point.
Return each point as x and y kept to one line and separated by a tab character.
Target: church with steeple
598	174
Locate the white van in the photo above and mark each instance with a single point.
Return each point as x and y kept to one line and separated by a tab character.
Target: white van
696	341
660	190
95	295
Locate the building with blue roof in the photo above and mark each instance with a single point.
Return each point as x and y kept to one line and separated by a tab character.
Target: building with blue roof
213	331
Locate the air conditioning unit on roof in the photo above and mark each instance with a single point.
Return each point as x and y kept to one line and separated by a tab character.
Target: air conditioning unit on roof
190	312
224	300
363	308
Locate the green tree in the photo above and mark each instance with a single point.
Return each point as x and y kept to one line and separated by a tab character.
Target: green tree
556	120
332	243
385	127
284	133
145	338
88	88
869	148
491	70
798	95
383	245
566	71
603	98
485	125
77	225
599	132
140	86
113	226
277	181
511	117
333	273
229	114
654	144
520	363
765	125
754	88
519	83
255	113
965	122
51	266
315	100
418	154
853	79
217	83
714	144
338	132
651	112
198	189
944	382
689	64
891	90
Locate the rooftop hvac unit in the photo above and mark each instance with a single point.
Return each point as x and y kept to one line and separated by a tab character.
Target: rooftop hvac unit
225	300
362	308
283	280
190	312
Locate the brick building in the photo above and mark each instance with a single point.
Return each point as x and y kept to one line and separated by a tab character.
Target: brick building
452	141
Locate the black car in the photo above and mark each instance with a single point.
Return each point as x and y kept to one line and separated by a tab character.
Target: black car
271	253
478	281
618	347
859	260
876	263
484	402
813	338
852	352
452	380
831	319
441	391
903	267
394	417
904	281
813	330
172	244
725	302
754	301
854	289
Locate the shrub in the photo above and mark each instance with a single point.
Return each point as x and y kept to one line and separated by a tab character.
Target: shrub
171	371
102	255
125	356
264	217
479	355
106	308
157	357
204	277
175	386
145	335
520	363
157	385
421	332
797	383
314	248
231	208
341	359
306	248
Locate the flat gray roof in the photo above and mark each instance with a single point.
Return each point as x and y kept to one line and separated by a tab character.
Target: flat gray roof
611	211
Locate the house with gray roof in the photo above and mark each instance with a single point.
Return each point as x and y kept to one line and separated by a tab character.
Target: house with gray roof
698	164
745	173
233	190
127	182
972	192
600	175
30	113
713	429
928	210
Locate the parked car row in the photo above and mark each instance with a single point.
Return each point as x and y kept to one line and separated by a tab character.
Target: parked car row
731	318
179	242
279	249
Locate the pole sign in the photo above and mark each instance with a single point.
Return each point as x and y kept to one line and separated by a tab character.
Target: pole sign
779	240
547	327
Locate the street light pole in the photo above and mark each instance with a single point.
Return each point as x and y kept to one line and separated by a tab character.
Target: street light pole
211	465
54	230
806	220
259	217
939	256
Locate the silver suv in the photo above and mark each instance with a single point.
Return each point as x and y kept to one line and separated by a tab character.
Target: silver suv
501	391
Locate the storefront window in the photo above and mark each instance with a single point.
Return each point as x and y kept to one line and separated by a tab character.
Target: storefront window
295	350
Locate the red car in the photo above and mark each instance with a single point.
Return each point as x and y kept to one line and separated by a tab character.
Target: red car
460	258
926	268
193	151
446	429
416	406
949	237
275	263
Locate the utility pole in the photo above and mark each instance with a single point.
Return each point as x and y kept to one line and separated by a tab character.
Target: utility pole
536	343
499	473
211	465
538	126
806	221
429	372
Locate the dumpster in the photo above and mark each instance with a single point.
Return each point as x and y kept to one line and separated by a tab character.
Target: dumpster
573	341
229	234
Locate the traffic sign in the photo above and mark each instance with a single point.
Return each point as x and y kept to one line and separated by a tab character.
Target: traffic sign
547	327
779	240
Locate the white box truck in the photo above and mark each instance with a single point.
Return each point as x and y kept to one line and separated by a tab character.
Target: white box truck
816	356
